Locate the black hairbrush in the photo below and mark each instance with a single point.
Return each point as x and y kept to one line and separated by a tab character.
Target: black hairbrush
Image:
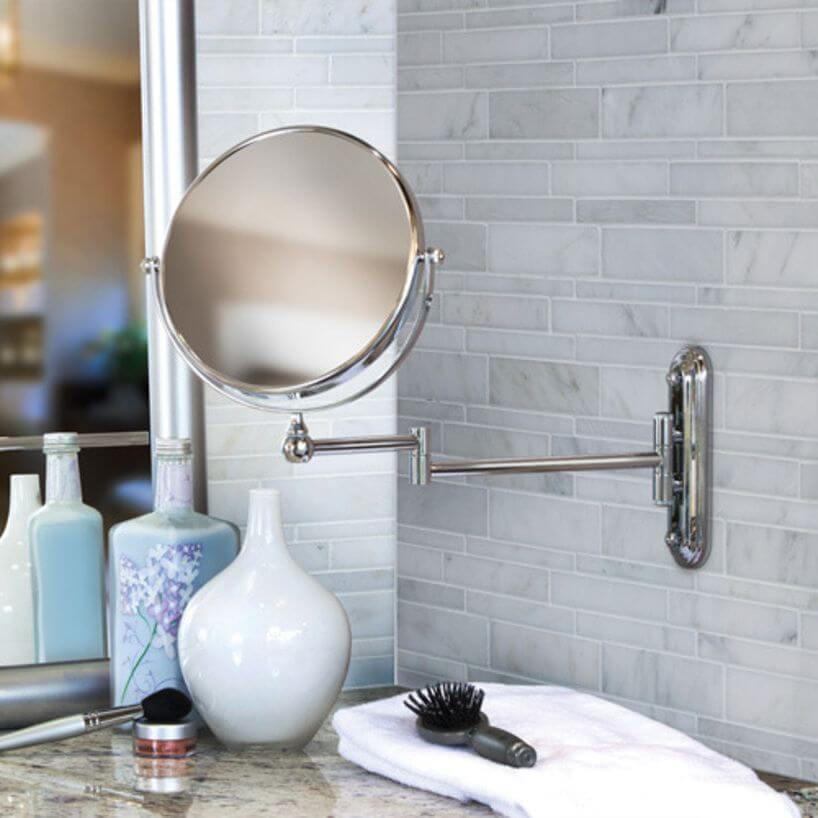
166	705
450	713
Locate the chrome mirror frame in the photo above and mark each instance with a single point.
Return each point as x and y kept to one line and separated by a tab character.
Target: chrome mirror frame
373	363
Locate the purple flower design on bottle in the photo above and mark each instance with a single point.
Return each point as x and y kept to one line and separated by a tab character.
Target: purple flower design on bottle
157	594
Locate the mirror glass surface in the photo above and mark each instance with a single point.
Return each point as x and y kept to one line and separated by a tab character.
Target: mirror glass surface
73	347
290	265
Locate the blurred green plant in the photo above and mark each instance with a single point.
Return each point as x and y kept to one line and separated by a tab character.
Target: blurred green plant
124	353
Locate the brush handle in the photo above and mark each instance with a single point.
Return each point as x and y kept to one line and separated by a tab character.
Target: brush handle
54	730
69	726
501	746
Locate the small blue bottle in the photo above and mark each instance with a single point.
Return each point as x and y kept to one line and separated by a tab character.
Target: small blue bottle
156	563
67	564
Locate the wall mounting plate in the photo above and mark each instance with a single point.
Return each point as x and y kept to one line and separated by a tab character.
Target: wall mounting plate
687	463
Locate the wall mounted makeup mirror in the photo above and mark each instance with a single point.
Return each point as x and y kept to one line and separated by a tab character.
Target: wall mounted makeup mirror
294	277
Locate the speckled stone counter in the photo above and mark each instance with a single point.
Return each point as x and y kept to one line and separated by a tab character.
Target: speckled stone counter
97	776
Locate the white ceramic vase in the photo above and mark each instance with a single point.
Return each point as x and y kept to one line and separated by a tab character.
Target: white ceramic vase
16	595
264	647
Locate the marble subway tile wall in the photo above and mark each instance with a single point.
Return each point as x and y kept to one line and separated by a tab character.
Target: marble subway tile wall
612	179
264	64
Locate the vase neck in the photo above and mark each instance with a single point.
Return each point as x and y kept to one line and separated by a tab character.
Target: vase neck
265	528
24	498
62	478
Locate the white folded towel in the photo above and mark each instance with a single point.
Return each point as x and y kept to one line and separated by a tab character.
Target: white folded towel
595	760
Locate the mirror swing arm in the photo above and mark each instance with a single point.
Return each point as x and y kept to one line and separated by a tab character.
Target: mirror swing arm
680	459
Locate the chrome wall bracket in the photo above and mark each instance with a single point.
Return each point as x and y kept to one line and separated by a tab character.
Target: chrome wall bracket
680	459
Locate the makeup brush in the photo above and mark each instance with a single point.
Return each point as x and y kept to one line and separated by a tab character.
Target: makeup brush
167	705
450	713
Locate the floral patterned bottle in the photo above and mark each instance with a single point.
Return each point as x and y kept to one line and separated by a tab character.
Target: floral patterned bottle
156	563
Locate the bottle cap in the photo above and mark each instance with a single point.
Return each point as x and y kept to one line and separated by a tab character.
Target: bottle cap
173	447
61	443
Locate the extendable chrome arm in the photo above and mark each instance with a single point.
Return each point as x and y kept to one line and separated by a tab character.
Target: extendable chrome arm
680	456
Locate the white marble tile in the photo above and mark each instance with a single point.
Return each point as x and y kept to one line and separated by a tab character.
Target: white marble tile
631	394
520	611
772	554
487	45
707	613
736	31
445	376
609	39
431	593
757	65
448	634
552	657
501	311
771	258
635	70
543	250
772	109
298	17
609	178
629	211
787	702
734	326
757	656
607	628
546	386
662	254
218	17
588	593
453	115
739	179
590	318
522	178
215	70
518	209
496	577
663	679
610	9
758	213
530	16
423	78
661	111
558	523
544	114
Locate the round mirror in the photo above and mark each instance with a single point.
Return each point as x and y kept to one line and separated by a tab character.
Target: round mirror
294	274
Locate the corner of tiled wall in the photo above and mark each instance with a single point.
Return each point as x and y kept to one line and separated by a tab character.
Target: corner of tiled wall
612	179
262	65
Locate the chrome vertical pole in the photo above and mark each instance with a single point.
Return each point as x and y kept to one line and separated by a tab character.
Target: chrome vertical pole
169	153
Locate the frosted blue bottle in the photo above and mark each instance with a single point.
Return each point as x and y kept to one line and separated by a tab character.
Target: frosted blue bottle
156	563
67	564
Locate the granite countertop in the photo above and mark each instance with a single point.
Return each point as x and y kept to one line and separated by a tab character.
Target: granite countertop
96	776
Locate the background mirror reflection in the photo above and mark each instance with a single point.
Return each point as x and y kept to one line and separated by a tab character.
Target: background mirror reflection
72	343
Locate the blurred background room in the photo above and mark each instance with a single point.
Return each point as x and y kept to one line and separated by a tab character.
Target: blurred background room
73	353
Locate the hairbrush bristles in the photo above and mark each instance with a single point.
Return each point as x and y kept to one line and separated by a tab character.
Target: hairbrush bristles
447	705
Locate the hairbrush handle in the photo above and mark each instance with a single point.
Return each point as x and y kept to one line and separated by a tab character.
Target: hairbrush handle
501	746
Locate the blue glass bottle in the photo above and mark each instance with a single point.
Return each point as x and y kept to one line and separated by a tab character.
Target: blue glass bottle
156	563
67	564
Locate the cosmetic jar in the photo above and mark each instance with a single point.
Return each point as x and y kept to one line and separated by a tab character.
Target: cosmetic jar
156	740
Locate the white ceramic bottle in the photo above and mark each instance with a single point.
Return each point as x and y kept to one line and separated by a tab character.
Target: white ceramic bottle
16	598
264	647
